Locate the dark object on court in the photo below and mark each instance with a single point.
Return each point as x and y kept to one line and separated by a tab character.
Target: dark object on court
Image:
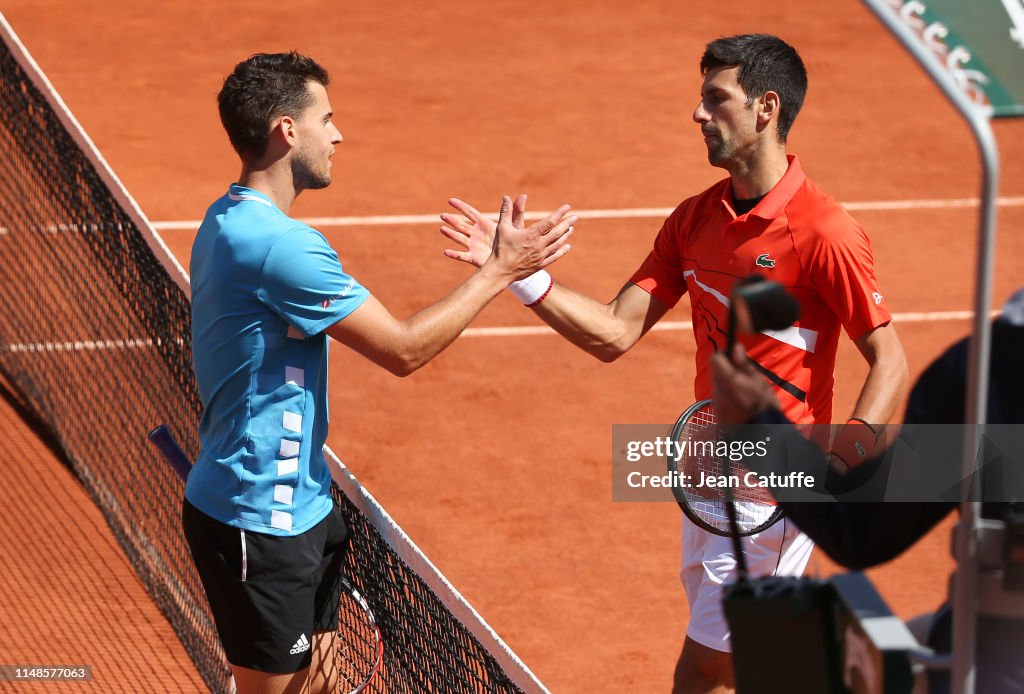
809	635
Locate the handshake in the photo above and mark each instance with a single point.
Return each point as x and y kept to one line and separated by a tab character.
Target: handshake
523	251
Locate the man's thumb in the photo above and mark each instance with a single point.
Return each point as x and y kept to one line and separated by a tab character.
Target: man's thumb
506	203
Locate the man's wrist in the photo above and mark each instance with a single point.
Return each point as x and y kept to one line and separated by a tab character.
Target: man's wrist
533	289
855	442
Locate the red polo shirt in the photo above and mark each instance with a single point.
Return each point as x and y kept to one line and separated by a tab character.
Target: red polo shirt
796	236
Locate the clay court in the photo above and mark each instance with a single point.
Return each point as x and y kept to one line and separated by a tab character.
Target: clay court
496	458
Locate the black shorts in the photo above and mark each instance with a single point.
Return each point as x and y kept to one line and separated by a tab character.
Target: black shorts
268	593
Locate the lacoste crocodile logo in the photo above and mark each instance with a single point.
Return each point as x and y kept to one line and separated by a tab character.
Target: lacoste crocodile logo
764	261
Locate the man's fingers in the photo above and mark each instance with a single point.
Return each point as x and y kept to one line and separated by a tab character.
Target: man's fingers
744	364
562	228
562	250
722	368
465	208
457	222
731	372
556	223
455	236
458	255
557	243
741	363
545	225
738	355
519	211
506	205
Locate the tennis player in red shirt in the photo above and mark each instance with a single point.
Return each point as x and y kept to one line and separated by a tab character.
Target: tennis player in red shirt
766	217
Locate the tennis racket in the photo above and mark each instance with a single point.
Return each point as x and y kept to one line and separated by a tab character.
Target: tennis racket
360	649
706	482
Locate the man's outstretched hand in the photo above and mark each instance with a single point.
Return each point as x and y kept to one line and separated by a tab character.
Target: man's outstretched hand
536	246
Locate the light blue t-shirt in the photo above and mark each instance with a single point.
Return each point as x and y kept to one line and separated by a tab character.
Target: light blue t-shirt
264	288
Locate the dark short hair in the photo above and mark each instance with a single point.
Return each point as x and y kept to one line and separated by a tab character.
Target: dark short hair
262	88
766	64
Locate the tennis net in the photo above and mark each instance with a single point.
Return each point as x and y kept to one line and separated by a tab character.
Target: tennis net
94	336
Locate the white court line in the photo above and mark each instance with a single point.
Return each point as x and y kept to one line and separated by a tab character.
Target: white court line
508	331
899	318
629	213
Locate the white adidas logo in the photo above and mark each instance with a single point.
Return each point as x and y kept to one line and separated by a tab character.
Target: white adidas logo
301	646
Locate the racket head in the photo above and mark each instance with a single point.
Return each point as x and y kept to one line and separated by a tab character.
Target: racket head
695	435
360	649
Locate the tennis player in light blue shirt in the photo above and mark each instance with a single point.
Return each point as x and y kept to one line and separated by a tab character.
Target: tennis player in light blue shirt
264	288
268	292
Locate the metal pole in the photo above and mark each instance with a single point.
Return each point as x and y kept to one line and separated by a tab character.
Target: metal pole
965	586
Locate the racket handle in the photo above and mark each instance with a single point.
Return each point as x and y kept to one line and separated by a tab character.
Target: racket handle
163	439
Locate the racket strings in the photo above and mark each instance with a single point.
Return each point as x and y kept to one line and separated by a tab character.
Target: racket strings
700	443
701	436
359	647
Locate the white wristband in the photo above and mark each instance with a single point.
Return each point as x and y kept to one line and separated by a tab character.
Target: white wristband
532	290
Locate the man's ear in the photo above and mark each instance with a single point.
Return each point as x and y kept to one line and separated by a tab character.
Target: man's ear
283	131
769	105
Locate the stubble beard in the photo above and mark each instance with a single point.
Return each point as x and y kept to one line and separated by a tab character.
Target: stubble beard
306	176
719	152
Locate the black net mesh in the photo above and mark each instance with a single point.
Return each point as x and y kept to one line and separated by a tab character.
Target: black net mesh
94	335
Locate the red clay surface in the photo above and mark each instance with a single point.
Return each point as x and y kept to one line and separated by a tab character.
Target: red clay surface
496	457
69	596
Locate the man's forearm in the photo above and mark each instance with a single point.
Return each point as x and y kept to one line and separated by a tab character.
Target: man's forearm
886	383
402	346
883	390
433	328
585	322
606	331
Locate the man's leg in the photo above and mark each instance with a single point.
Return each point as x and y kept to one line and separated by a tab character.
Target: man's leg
250	681
706	560
323	673
259	590
703	670
705	662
